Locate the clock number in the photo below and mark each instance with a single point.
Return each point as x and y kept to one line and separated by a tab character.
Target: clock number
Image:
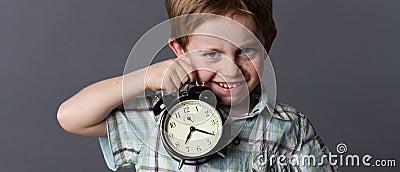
186	109
173	125
209	142
178	115
207	113
213	122
170	135
177	145
197	109
198	149
187	147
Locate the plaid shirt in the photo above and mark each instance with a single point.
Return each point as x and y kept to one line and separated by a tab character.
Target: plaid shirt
288	133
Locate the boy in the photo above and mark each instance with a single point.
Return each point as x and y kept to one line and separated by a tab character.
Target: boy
96	110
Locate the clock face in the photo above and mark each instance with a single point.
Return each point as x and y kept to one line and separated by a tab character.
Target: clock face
192	128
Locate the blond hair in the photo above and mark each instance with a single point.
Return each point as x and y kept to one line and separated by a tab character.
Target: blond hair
260	10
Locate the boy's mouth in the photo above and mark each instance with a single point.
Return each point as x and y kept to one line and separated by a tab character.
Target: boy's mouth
229	85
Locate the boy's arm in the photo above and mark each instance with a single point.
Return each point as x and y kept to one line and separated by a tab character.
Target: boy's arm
85	112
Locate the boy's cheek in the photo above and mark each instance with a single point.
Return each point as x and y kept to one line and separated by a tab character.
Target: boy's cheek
255	67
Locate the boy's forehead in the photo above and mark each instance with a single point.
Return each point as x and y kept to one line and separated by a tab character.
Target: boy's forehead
239	31
207	42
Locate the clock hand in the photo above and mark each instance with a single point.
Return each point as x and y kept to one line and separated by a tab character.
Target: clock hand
190	119
203	131
187	138
190	133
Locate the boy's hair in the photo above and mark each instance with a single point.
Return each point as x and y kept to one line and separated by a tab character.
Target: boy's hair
260	10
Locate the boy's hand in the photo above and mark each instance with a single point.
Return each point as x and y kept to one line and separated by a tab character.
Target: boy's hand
169	75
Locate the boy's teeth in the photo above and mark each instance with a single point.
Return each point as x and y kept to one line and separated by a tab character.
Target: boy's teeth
225	85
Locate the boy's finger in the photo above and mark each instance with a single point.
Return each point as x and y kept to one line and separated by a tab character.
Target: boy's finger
187	74
186	63
184	71
185	80
192	76
169	86
181	72
176	81
181	78
190	73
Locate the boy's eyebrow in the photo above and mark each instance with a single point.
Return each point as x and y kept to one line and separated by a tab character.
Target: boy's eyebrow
245	45
213	49
249	44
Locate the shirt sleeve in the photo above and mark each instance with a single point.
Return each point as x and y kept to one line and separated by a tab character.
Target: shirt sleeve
122	146
313	154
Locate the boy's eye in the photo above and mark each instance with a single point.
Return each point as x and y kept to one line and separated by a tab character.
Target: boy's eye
247	50
211	54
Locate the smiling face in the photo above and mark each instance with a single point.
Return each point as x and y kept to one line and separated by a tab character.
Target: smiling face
227	56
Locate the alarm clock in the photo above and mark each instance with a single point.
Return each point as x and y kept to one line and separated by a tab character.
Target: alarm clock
191	125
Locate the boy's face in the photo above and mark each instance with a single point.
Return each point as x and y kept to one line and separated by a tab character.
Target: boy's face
230	66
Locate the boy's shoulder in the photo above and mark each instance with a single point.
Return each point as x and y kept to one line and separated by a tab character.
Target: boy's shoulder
293	122
287	112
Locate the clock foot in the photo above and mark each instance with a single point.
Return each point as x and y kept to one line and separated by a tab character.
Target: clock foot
180	164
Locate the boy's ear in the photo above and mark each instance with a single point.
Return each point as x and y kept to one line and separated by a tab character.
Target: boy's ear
178	50
270	40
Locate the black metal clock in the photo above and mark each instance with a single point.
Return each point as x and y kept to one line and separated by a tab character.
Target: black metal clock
191	125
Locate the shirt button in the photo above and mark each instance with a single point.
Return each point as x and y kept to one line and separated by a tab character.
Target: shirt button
236	141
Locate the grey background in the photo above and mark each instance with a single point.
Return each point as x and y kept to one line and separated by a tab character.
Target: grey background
336	61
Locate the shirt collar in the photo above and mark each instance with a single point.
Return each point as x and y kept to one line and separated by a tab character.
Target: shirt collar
264	105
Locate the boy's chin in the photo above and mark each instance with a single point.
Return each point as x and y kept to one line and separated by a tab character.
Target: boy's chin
233	101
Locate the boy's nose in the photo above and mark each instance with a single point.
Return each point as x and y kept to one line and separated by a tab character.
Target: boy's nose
230	68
